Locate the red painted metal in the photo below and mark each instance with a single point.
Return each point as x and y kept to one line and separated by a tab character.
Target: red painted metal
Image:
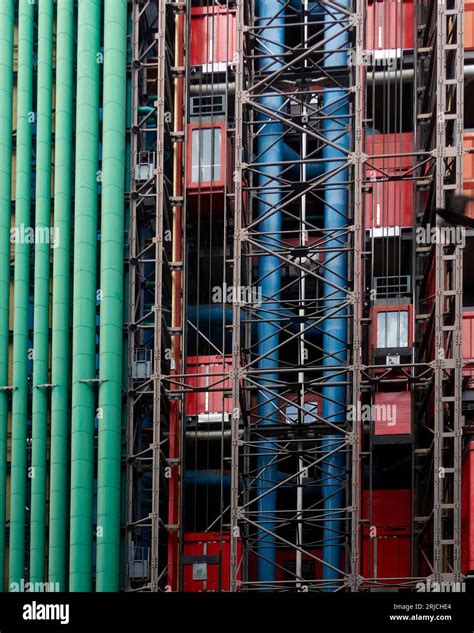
213	550
469	165
209	192
469	25
389	203
390	152
208	376
468	345
467	510
390	24
396	427
212	35
386	539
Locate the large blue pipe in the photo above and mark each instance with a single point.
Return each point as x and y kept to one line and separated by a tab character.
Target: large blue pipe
270	149
335	104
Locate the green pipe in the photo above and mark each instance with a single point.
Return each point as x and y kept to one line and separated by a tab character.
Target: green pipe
111	301
84	293
6	110
21	293
61	293
41	292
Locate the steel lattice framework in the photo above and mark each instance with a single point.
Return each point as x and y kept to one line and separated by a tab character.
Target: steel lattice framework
438	446
295	80
155	316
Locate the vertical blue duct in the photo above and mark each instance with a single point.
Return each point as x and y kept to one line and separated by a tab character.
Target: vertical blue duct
270	149
335	104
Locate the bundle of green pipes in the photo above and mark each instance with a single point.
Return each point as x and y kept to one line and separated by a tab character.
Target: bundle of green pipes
65	396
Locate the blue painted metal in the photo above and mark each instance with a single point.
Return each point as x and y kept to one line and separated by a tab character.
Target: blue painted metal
335	104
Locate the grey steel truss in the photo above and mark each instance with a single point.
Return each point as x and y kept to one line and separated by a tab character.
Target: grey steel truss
438	448
296	442
152	245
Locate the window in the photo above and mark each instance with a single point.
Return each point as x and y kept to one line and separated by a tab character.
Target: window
206	154
392	329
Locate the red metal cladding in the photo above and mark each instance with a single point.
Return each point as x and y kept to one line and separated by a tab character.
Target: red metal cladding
386	539
209	159
393	416
206	561
212	35
390	24
468	345
469	167
467	510
389	203
469	25
208	376
393	152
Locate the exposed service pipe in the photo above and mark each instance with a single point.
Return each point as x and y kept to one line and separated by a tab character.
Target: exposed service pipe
84	292
41	292
60	415
21	293
334	127
270	149
111	300
6	116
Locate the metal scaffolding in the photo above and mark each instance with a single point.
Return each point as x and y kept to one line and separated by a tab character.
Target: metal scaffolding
291	230
438	447
297	443
155	240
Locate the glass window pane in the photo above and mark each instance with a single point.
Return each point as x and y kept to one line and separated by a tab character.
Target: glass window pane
206	154
381	329
392	329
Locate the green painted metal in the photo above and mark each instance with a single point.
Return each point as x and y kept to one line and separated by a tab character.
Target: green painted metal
84	294
60	415
111	300
21	292
6	113
41	292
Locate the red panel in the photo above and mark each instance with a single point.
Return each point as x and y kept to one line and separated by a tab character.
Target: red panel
215	187
390	24
469	167
390	508
467	510
468	25
390	202
399	420
392	308
211	375
468	344
212	35
387	554
211	548
384	146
